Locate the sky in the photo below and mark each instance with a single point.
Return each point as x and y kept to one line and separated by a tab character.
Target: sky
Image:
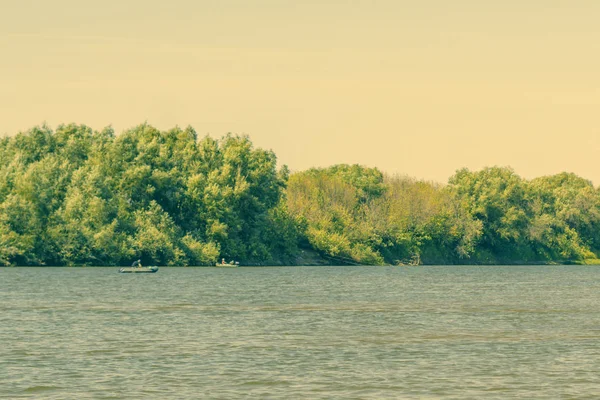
418	88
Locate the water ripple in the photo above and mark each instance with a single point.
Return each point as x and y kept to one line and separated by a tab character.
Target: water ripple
318	333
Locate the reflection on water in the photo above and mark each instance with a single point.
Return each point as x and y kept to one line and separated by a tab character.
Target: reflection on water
310	332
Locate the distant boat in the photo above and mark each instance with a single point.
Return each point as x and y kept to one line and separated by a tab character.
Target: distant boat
138	270
228	265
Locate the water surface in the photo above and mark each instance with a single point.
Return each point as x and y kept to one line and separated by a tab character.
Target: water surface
304	332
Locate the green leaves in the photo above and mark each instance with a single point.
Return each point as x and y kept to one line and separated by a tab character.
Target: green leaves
78	196
12	245
554	218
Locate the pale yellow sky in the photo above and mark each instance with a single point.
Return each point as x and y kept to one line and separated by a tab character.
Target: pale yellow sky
412	87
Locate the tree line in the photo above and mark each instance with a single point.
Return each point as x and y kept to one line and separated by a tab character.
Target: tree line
75	196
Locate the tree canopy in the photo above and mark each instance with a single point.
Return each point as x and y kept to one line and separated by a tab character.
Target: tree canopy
75	196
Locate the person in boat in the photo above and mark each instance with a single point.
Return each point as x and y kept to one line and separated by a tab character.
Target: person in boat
137	264
223	261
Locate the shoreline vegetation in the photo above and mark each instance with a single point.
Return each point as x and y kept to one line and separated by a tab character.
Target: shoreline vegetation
74	196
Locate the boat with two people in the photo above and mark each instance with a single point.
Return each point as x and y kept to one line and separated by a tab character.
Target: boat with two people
230	264
137	268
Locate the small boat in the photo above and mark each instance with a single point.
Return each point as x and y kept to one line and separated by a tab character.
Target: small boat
228	265
138	270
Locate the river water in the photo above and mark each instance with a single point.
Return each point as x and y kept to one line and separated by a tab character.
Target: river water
301	333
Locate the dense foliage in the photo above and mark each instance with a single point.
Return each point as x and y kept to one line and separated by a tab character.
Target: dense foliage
77	196
358	214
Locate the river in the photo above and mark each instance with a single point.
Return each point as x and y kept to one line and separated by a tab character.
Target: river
301	333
